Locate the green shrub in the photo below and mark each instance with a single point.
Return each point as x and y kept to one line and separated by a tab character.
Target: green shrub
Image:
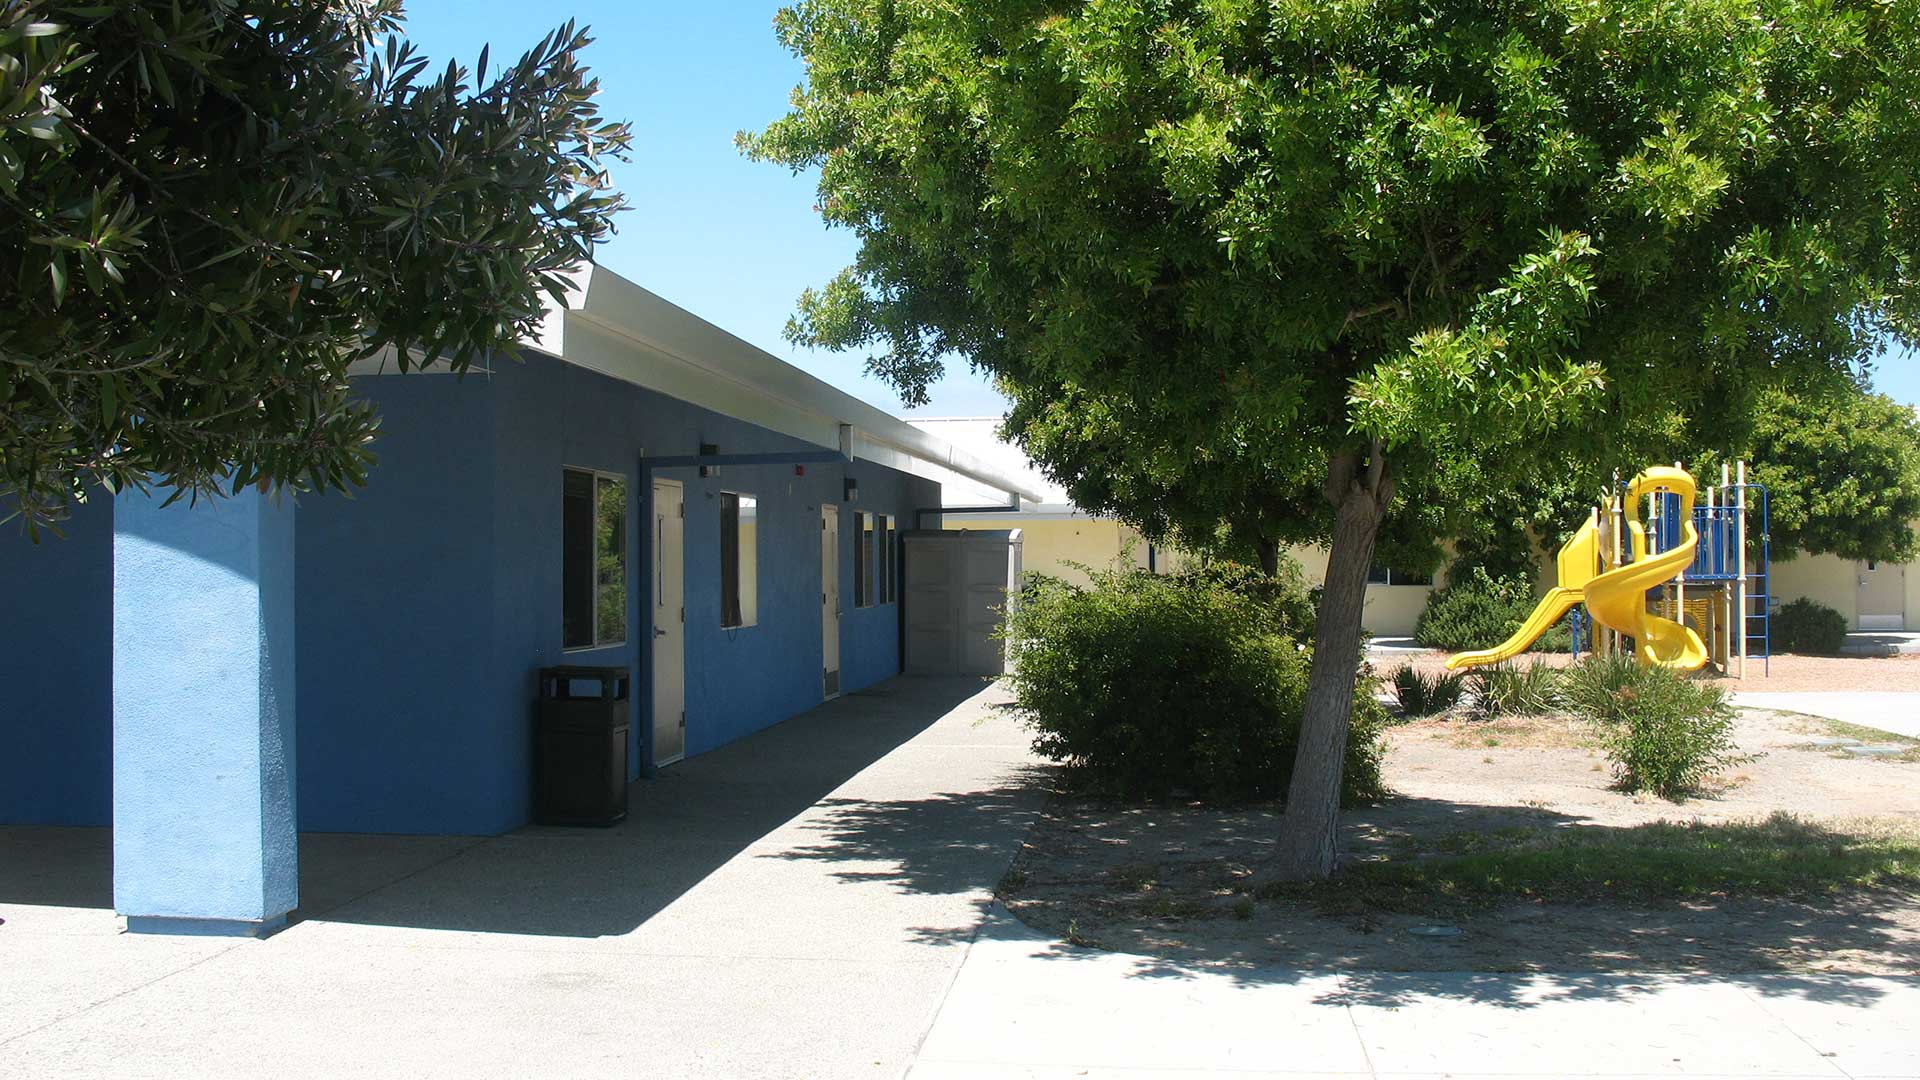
1424	695
1805	626
1361	781
1146	685
1285	599
1475	610
1663	731
1504	690
1589	688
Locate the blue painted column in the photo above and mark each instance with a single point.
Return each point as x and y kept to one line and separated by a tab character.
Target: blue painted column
203	695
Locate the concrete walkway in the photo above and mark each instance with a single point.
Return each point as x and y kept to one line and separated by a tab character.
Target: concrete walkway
1887	710
1881	643
795	905
1030	1008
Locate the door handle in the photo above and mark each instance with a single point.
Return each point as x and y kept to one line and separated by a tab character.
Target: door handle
657	632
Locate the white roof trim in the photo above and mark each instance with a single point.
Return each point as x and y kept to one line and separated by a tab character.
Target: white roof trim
619	329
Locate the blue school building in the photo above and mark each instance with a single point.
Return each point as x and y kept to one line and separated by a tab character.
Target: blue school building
634	487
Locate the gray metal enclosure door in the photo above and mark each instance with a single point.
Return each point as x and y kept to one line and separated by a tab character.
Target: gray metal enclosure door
957	589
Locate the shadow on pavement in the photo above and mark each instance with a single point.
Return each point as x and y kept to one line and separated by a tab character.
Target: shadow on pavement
944	843
1159	886
682	825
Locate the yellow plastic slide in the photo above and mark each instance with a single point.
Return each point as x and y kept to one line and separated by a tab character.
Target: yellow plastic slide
1578	559
1618	598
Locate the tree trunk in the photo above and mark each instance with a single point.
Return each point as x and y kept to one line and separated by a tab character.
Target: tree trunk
1359	489
1269	556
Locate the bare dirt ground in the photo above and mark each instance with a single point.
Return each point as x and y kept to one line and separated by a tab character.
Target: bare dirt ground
1172	881
1784	673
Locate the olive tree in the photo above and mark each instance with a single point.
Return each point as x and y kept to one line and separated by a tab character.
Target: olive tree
210	209
1300	260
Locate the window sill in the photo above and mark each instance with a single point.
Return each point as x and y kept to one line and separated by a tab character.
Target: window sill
568	650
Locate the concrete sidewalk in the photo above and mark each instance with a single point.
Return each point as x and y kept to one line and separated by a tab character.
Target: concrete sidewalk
794	905
1028	1007
1887	710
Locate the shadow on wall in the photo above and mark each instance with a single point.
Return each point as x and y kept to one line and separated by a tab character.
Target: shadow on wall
571	882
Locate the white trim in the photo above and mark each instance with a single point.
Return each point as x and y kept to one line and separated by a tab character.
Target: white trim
615	327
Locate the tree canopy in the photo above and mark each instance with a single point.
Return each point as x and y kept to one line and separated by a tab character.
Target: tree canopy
209	210
1842	473
1281	260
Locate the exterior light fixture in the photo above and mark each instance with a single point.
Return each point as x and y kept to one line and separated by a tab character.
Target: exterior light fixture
852	489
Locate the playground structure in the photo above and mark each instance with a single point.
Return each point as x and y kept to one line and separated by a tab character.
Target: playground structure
1626	575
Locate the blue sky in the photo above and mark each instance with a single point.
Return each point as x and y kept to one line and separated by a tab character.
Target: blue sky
730	240
727	239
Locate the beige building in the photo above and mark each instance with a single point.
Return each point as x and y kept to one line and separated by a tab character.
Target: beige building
1059	537
1873	596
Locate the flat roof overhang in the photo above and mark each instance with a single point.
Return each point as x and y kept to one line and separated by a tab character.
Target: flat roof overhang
615	327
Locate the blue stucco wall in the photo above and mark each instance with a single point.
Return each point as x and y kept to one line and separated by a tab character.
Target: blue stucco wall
56	657
552	415
398	724
870	636
426	603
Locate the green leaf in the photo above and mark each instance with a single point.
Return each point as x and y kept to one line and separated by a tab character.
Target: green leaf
57	270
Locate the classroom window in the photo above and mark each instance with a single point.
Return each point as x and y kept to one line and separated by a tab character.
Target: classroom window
889	548
739	559
593	544
1385	575
862	559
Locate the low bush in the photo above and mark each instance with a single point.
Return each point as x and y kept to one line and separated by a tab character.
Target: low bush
1146	685
1806	626
1664	732
1504	690
1424	695
1590	686
1475	610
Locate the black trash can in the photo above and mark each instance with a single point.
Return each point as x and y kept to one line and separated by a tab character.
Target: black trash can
580	746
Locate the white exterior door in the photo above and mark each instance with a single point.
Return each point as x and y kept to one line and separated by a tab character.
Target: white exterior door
1882	597
669	623
830	601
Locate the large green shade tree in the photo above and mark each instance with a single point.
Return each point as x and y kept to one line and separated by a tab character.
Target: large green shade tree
210	209
1842	472
1321	268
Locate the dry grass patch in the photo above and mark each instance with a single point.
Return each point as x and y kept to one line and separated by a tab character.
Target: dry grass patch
1546	731
1791	861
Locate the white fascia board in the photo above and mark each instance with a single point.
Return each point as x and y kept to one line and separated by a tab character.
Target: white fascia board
619	329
